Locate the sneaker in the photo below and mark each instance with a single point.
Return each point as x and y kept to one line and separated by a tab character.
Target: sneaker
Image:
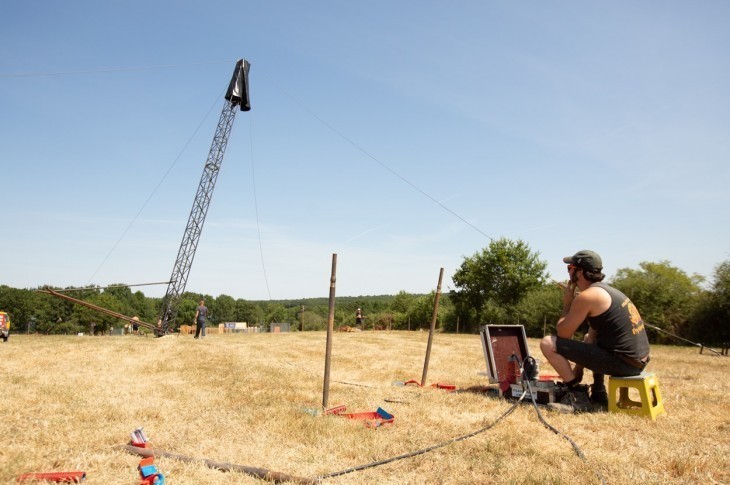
574	401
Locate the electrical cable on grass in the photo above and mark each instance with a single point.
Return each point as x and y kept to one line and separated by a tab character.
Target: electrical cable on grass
425	450
578	451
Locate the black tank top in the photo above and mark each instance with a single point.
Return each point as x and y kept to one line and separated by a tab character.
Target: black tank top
620	329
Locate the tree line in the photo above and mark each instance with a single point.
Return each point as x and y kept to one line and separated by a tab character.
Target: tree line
34	311
507	282
504	283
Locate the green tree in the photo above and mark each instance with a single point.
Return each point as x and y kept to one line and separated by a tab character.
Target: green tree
402	302
276	313
400	309
313	320
711	323
49	311
186	310
540	310
147	309
343	316
491	282
123	294
421	311
245	311
225	309
93	320
665	296
384	319
19	305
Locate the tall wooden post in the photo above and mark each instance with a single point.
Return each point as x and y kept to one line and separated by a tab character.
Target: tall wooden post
330	326
301	320
432	329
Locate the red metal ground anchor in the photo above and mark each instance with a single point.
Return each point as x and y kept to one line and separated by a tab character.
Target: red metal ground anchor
372	419
445	387
58	477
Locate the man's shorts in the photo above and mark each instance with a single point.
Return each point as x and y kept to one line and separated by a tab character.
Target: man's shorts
595	358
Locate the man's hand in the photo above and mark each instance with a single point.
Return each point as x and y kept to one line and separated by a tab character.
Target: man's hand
568	296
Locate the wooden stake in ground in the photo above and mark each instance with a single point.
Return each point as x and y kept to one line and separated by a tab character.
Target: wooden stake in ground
432	329
330	326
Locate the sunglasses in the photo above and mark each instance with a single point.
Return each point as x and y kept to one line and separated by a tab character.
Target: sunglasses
571	266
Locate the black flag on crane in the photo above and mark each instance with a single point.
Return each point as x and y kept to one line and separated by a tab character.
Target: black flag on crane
237	92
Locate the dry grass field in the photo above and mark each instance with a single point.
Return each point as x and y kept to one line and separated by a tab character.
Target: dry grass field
69	401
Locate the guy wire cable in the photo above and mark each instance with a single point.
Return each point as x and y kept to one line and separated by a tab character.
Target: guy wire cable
425	450
256	205
382	164
66	290
109	69
319	376
683	339
154	191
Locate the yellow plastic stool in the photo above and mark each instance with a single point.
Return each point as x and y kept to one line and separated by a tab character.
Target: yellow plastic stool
647	384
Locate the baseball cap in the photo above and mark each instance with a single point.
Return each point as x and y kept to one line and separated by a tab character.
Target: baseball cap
586	259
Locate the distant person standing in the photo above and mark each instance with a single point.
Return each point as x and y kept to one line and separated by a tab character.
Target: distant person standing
201	314
358	318
4	326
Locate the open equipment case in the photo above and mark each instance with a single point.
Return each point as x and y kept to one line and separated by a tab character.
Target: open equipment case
505	351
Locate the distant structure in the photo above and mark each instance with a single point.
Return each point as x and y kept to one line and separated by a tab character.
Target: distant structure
236	98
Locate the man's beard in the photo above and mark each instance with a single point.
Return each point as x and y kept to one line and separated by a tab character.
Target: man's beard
574	276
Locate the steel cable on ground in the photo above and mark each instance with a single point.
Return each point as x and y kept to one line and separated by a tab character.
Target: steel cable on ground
701	346
256	205
379	162
319	376
154	191
425	450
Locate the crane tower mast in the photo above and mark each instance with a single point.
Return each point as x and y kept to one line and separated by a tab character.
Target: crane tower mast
236	98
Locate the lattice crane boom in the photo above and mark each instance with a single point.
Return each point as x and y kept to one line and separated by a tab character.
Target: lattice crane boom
236	97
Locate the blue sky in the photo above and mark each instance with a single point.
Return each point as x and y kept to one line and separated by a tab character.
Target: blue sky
568	125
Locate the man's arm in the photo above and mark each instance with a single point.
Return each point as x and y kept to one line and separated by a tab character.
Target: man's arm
575	311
